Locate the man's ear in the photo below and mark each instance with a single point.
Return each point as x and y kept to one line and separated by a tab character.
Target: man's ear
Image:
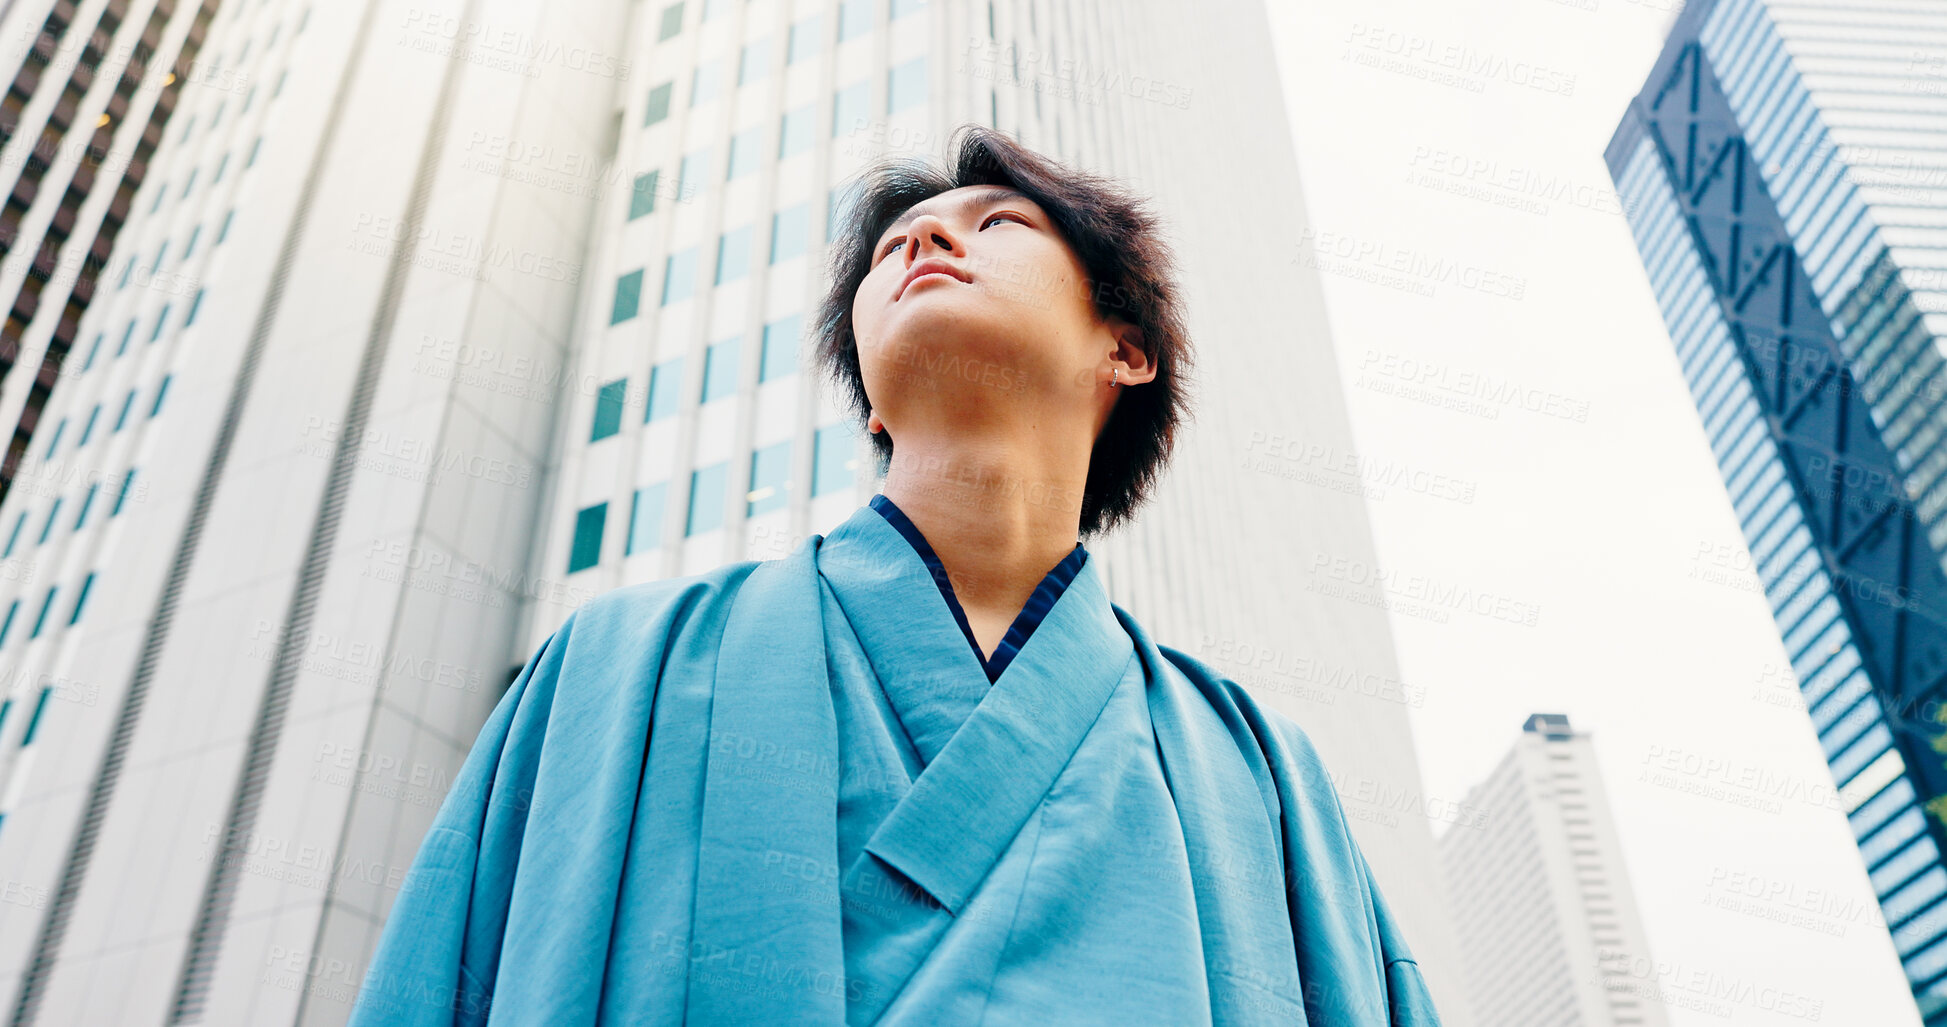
1130	354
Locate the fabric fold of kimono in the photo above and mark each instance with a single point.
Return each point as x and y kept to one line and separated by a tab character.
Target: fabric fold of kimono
786	792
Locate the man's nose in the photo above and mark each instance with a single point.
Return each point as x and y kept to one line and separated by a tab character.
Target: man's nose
931	237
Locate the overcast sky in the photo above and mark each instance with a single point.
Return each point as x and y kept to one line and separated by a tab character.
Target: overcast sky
1603	508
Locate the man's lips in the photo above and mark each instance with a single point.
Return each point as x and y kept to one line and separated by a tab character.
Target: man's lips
930	266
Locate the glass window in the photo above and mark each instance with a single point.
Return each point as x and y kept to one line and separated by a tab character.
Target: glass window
5	627
87	501
804	40
88	429
780	348
161	319
744	151
795	135
658	108
646	518
46	605
849	108
672	22
255	145
628	297
195	304
160	391
608	409
704	81
93	349
706	498
642	195
838	203
128	403
121	495
54	440
665	387
754	61
189	185
189	249
733	255
693	175
854	19
52	513
161	254
906	86
587	548
221	163
770	478
127	334
790	228
223	232
901	8
832	463
712	8
679	276
720	370
14	536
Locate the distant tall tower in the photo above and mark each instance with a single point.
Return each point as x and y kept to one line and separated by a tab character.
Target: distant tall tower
1785	177
92	89
499	306
1542	905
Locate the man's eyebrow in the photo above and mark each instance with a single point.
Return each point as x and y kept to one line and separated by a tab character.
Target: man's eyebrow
991	194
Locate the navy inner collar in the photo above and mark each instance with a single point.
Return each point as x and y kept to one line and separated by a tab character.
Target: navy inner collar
1031	615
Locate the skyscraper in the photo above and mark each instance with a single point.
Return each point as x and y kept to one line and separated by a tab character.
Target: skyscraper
91	93
501	310
1547	922
1782	171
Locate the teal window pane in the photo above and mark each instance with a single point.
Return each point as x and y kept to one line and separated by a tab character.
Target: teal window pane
223	231
679	276
720	370
665	388
40	619
754	61
608	409
54	440
587	548
744	152
127	334
795	134
121	496
770	478
255	145
804	40
195	232
94	349
780	348
712	8
628	297
13	537
849	108
160	391
704	81
195	304
693	176
901	8
790	232
40	704
672	22
832	463
838	205
7	625
906	86
642	196
86	502
88	429
646	518
81	597
658	107
706	499
128	403
161	320
733	255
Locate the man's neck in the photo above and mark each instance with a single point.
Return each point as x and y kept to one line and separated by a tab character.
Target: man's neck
999	517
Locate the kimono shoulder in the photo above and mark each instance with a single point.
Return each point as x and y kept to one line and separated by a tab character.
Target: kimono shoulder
1340	919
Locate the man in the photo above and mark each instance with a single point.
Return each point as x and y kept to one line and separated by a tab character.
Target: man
922	771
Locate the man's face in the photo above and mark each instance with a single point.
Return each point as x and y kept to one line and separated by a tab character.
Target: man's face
975	308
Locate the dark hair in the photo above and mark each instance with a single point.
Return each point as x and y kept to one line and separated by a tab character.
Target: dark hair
1130	276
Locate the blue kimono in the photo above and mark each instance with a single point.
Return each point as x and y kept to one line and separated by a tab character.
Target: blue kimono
842	819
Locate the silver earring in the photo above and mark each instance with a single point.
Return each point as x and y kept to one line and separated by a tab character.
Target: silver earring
1113	372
